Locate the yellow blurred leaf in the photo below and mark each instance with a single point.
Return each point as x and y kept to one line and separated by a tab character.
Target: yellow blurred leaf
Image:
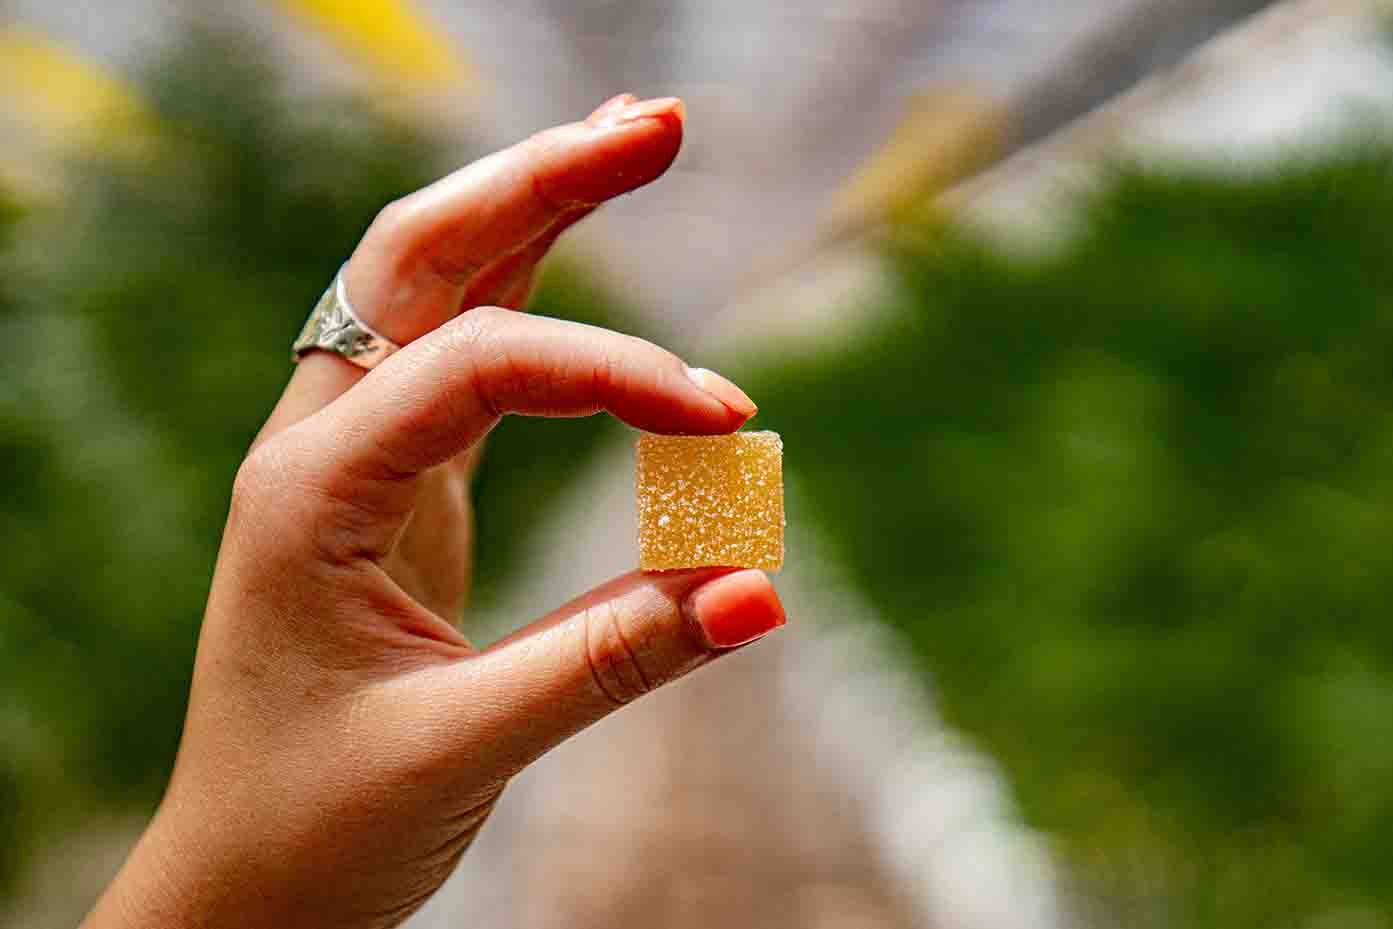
945	135
53	99
60	92
390	36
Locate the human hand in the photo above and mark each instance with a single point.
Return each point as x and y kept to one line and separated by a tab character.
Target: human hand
344	742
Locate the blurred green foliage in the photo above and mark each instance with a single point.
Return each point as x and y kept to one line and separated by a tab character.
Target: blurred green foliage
147	320
1131	504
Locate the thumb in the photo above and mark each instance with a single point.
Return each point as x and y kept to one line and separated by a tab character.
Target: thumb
544	683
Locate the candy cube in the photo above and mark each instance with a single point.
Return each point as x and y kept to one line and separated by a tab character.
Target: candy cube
711	500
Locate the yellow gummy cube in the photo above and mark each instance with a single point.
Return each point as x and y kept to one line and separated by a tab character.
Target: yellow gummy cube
711	500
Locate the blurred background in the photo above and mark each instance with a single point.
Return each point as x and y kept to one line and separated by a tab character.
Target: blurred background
1077	321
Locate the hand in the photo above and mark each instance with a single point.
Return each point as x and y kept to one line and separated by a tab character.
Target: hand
344	741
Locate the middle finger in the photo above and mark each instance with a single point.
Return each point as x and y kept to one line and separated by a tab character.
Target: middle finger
415	265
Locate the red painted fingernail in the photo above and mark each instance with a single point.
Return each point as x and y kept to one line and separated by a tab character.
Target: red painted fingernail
658	108
735	608
734	399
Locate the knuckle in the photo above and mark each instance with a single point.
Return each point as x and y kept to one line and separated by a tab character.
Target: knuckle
391	217
461	346
343	531
259	474
540	154
474	329
475	332
263	497
614	665
303	510
481	340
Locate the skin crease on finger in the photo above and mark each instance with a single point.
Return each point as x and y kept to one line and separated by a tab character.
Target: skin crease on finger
343	743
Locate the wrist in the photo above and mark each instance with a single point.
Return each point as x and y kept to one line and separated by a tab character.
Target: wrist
143	893
182	874
158	885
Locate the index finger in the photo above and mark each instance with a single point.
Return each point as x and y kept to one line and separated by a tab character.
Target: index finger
439	397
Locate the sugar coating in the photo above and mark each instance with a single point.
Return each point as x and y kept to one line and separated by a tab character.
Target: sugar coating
711	500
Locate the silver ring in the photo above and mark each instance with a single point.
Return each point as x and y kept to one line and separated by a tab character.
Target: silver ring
334	327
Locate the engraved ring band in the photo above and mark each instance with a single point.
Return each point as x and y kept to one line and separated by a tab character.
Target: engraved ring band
334	327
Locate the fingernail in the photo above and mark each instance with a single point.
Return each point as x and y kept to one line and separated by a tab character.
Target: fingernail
735	608
645	109
610	106
735	399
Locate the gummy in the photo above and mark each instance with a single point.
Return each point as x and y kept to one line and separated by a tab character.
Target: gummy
710	500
